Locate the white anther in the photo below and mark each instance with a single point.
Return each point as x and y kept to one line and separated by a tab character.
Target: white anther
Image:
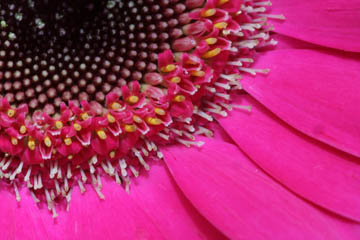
253	71
81	186
134	171
18	197
189	143
68	174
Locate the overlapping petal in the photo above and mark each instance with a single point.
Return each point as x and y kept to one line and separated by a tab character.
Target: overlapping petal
330	23
243	202
312	169
314	91
160	197
155	209
119	216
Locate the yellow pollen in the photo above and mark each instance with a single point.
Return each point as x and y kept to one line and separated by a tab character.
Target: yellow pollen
209	13
11	112
130	128
168	68
179	98
132	99
84	116
137	119
116	106
111	118
153	121
112	154
47	141
197	73
212	53
221	25
14	141
54	151
101	134
175	79
70	157
67	141
160	111
77	127
59	124
23	129
211	41
222	2
31	143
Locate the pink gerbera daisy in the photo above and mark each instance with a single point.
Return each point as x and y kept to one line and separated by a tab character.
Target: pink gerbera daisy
218	119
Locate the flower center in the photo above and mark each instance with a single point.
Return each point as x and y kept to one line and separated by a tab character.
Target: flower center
139	74
54	51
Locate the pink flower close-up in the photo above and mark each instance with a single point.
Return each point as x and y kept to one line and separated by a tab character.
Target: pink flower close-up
180	119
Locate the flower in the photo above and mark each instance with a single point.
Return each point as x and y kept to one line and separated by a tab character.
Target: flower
253	180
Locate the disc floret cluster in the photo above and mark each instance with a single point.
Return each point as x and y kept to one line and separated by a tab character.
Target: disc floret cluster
196	72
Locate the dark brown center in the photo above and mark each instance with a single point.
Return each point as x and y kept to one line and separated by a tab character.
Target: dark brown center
53	51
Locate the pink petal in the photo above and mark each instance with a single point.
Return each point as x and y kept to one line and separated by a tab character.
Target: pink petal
329	23
313	91
296	160
243	202
118	217
172	213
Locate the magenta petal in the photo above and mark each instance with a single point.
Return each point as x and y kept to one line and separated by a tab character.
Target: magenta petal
117	217
332	23
296	160
172	213
313	91
243	202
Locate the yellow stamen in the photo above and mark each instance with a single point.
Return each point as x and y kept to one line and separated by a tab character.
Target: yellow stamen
70	157
160	111
112	154
222	2
77	127
84	116
153	121
101	134
54	151
111	118
130	128
14	141
175	79
11	112
116	106
137	119
208	13
211	41
47	141
212	53
179	98
221	25
67	141
23	129
59	124
197	73
132	99
31	143
168	68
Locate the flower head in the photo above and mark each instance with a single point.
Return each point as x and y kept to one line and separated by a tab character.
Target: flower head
99	90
